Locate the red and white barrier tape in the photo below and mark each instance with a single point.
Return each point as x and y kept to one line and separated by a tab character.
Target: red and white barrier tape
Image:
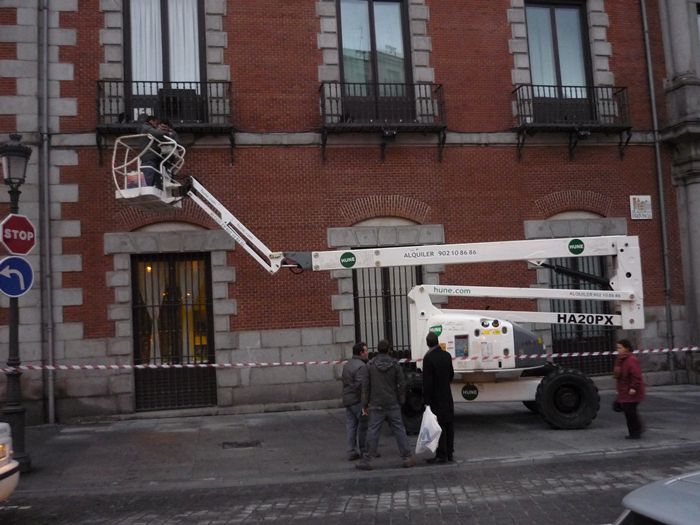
326	362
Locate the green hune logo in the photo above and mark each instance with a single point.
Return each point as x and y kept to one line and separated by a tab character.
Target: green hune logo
470	392
348	259
576	246
437	329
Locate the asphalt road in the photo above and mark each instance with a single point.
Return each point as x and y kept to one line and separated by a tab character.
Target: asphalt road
511	469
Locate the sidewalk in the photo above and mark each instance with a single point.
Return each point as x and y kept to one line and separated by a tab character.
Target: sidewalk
286	447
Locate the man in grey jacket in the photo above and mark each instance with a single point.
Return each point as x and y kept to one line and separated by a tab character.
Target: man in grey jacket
383	393
354	374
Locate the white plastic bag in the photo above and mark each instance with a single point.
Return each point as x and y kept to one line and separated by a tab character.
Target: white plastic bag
429	434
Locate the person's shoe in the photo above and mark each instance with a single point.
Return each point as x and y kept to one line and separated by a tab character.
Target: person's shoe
409	462
363	465
437	460
353	456
450	459
633	437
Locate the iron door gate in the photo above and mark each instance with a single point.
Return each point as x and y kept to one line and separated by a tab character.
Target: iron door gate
173	325
381	305
582	338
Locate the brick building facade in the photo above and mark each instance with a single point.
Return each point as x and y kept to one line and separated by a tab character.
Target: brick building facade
320	124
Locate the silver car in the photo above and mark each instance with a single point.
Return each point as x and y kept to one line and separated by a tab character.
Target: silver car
674	501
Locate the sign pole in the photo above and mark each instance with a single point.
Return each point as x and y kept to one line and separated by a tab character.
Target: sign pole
14	412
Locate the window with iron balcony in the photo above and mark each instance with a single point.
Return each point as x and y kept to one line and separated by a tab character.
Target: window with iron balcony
165	73
561	96
377	93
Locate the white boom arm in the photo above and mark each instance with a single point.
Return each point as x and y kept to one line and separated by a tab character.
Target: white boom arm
626	280
535	251
271	261
631	316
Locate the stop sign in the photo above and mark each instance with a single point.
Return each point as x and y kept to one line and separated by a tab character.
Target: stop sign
17	234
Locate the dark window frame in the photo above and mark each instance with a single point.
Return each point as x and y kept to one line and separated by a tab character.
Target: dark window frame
165	35
552	5
173	262
406	37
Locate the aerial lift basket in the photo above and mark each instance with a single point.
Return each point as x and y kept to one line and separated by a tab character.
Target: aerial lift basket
128	171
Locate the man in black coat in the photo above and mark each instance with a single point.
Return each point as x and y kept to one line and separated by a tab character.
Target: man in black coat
437	394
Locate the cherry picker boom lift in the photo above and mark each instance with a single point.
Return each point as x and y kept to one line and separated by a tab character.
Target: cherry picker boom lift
495	358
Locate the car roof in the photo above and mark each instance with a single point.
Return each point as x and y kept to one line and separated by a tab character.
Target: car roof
674	501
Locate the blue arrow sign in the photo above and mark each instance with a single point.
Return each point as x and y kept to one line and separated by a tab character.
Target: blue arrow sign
16	276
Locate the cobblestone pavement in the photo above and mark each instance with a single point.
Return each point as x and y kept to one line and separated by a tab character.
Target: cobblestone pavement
577	491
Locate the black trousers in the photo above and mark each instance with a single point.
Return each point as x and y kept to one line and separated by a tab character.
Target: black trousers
152	174
445	448
634	424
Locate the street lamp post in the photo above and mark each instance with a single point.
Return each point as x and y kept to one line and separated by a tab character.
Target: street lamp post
13	158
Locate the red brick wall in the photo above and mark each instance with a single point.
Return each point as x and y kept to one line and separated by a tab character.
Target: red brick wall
274	62
477	88
629	59
86	57
289	197
8	51
273	56
95	211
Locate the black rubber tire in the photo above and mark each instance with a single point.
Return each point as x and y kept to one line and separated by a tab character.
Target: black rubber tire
412	409
567	399
532	406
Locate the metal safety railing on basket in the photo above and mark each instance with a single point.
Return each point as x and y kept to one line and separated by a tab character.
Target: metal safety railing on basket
127	160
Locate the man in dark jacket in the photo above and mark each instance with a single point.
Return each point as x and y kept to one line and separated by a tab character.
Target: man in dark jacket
354	374
382	396
151	158
437	394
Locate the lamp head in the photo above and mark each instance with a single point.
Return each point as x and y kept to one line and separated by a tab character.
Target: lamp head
14	157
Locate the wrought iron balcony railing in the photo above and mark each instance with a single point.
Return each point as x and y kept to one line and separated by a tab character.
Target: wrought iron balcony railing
353	106
189	106
388	108
578	110
563	108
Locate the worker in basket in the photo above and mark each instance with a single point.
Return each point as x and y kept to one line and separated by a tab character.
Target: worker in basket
150	158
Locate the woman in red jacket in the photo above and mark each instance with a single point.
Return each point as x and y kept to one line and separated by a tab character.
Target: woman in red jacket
630	387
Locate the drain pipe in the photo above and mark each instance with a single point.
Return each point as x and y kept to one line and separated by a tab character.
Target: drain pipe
659	182
45	215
